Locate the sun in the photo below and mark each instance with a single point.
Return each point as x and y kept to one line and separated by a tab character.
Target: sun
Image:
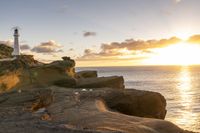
178	54
183	35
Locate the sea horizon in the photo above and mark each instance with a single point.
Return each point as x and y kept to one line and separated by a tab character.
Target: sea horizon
195	65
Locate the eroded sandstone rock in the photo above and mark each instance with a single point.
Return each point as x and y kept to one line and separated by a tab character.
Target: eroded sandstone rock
86	74
100	82
70	110
137	103
5	51
25	71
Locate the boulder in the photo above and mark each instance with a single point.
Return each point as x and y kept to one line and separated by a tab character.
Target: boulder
137	103
86	74
54	109
100	82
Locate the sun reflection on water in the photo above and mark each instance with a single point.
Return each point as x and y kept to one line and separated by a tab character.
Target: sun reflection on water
186	117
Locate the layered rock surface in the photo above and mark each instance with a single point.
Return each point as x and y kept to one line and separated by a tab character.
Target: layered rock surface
112	82
86	74
26	71
55	109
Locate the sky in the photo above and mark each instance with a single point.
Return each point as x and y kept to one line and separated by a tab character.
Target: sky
98	32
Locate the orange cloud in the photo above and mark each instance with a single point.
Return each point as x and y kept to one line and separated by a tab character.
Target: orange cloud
129	49
194	39
140	44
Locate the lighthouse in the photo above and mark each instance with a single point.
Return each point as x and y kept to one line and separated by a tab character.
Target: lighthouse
16	51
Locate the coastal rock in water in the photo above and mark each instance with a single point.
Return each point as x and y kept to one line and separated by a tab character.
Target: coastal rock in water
61	110
100	82
86	74
137	103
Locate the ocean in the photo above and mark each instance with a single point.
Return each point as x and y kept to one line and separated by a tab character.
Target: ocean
180	85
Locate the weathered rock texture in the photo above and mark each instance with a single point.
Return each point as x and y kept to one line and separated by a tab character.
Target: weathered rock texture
25	71
21	62
137	103
60	110
86	74
5	51
111	82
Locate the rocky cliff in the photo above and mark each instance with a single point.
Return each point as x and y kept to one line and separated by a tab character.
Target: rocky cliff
38	97
26	71
5	51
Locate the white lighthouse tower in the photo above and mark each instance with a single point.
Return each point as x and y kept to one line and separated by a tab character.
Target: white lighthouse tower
16	51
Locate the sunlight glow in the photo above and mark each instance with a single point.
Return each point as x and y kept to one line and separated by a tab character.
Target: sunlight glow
125	51
126	54
187	117
177	54
183	35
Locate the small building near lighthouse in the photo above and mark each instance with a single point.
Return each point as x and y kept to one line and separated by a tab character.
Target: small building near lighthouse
16	47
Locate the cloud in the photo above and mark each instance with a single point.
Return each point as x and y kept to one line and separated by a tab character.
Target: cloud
25	47
128	49
89	33
132	44
49	47
88	51
11	43
7	42
194	39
